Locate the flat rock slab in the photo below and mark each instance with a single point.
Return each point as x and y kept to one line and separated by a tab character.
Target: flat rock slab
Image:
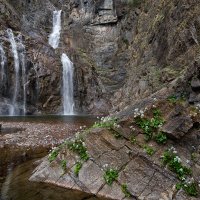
144	179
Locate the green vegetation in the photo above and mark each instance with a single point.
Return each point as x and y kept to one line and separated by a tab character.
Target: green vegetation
64	165
110	176
53	154
171	159
149	150
161	138
150	126
176	98
77	168
124	189
106	122
189	187
172	99
77	145
133	139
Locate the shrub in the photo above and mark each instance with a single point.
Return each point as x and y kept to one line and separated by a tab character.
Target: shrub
124	189
77	145
161	138
77	168
110	176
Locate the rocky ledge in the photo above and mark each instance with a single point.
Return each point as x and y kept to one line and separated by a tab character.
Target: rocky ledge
151	152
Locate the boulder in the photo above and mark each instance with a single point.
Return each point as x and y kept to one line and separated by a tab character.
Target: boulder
177	127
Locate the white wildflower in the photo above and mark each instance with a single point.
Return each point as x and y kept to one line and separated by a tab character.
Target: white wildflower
105	166
187	161
177	159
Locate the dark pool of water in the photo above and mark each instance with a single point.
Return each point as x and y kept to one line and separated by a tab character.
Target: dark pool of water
85	119
15	186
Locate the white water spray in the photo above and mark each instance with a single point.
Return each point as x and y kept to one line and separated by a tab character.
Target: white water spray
19	85
54	37
22	56
68	101
2	65
12	110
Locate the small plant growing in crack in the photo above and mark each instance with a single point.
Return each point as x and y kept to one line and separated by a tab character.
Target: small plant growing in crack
53	154
149	150
106	122
190	187
150	126
78	146
125	190
63	165
174	163
77	168
161	138
133	139
110	176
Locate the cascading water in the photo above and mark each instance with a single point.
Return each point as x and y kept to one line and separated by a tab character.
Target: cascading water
54	37
22	56
3	61
13	109
19	87
68	102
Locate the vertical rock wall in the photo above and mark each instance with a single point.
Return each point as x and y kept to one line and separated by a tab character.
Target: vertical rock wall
122	50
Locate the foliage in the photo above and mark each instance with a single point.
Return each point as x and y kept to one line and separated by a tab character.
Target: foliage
53	154
189	187
149	126
64	165
172	99
77	168
176	98
106	122
161	138
110	176
133	139
77	145
124	189
145	125
171	159
149	150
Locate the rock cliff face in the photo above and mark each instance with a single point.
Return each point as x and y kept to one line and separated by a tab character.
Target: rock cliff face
122	50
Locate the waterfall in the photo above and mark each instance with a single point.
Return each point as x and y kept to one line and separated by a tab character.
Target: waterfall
68	103
13	108
22	56
54	37
18	51
3	61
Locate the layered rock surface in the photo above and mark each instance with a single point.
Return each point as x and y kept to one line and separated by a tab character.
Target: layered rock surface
145	176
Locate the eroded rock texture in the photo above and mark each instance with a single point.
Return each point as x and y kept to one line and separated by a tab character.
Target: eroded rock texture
122	51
